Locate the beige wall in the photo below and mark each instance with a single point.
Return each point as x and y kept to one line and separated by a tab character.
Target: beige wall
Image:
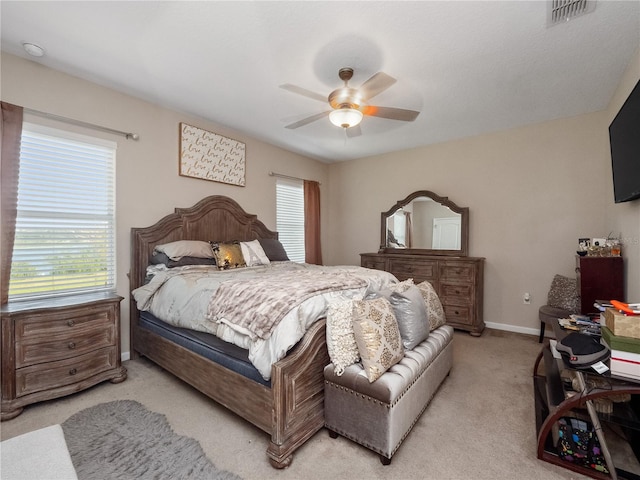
147	181
532	193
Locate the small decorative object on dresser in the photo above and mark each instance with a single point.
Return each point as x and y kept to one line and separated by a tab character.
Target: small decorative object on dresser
434	235
50	351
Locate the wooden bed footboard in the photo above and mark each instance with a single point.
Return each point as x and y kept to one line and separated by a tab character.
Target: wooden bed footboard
297	382
291	411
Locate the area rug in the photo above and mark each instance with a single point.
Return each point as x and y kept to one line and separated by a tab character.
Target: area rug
124	440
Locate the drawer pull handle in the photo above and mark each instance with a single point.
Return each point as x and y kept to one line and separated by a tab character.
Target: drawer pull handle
71	323
71	345
456	312
73	371
457	292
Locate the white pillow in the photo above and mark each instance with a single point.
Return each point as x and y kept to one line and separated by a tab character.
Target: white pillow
185	248
253	253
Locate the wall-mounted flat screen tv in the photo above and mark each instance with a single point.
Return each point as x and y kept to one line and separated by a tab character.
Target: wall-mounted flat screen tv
624	137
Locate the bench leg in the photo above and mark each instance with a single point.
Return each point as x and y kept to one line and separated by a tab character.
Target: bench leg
542	326
384	460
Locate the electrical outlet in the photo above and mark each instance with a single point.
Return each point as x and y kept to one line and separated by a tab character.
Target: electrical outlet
526	298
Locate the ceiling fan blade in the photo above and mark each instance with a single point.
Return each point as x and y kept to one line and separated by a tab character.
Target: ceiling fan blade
391	113
378	83
354	131
304	92
307	120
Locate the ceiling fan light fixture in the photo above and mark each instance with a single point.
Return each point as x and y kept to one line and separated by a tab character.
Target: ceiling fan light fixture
345	117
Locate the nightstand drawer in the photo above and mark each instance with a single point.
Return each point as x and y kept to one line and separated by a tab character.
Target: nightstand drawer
462	272
65	344
419	271
63	324
64	372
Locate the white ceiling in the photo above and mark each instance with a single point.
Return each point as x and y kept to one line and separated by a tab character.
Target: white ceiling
469	67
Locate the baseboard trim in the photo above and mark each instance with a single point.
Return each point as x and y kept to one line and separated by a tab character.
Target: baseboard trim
513	328
124	356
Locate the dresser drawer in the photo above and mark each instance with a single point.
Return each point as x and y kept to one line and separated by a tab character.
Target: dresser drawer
460	272
65	343
64	372
375	263
456	294
419	271
458	315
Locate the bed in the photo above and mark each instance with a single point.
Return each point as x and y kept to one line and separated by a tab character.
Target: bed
288	405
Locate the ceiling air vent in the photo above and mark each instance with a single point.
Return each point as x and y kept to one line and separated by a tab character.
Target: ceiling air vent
561	11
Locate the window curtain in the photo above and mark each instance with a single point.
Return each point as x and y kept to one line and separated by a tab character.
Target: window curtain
10	133
408	232
313	250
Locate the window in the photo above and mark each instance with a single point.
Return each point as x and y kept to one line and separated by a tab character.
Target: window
290	217
65	225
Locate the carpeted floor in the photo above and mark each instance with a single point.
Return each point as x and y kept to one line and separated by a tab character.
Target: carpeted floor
480	425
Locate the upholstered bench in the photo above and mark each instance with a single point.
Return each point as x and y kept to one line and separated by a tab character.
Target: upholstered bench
381	414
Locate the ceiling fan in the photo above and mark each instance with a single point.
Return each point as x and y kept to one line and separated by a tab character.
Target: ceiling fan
349	105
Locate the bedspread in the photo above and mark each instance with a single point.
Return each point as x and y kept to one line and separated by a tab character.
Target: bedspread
259	304
181	297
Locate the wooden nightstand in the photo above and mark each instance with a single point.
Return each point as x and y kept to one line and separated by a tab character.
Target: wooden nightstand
57	347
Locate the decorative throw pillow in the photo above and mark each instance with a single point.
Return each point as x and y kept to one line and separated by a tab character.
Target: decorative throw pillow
435	312
403	286
341	341
273	249
253	253
185	248
377	336
563	293
228	255
411	313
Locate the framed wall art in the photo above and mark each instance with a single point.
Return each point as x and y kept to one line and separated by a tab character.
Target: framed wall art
210	156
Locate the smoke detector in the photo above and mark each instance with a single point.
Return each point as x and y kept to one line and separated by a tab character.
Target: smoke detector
33	49
561	11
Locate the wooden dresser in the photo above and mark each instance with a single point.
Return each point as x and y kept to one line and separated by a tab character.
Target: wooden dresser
458	280
49	351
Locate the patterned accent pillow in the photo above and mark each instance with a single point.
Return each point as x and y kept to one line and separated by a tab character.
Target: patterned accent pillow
563	293
377	336
228	255
403	286
341	341
435	312
253	253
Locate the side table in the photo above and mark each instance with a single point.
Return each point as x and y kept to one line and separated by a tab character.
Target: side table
554	399
58	347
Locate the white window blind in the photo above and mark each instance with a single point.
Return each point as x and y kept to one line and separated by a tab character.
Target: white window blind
290	217
65	226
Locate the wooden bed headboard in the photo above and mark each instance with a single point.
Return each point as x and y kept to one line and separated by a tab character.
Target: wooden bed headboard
215	218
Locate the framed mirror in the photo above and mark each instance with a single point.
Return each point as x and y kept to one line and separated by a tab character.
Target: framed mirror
427	224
